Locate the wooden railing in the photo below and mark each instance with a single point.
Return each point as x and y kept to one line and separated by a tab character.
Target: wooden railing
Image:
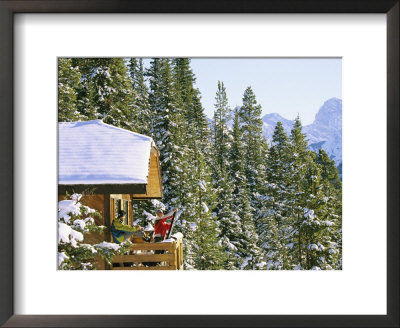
142	256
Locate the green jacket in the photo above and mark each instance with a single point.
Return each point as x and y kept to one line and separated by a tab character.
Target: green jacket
119	230
118	225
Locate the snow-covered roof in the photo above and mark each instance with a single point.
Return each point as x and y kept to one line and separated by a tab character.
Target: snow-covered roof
94	153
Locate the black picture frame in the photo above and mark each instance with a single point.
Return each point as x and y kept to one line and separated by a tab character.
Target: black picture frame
10	7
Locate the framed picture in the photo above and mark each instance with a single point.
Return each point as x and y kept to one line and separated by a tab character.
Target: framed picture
206	298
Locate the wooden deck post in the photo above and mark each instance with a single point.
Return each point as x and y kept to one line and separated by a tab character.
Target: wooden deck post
181	251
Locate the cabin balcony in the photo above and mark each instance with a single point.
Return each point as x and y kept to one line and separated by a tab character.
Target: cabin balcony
143	256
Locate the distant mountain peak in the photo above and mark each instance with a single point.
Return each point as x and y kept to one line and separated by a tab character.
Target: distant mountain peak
330	114
274	118
325	132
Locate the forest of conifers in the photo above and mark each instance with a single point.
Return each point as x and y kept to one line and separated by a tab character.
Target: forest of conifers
246	204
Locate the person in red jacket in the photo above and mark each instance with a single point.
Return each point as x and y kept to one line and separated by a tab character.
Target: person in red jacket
161	227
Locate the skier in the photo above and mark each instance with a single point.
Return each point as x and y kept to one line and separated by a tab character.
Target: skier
122	232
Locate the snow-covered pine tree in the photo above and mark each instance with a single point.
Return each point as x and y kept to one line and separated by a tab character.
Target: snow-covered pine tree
74	221
68	84
115	100
197	224
331	186
255	149
228	219
85	92
250	254
106	92
221	133
313	227
273	226
167	130
136	73
304	177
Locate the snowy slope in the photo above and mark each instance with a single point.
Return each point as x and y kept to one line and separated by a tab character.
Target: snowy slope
326	130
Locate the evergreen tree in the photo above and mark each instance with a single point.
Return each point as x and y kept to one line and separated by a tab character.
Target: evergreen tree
85	92
221	134
74	221
106	92
136	72
312	218
197	195
332	198
250	253
167	129
228	219
299	156
255	144
274	225
68	83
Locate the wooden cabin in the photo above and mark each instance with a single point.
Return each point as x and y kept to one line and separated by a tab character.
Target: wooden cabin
112	167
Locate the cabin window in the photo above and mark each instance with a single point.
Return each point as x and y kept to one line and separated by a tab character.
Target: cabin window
117	207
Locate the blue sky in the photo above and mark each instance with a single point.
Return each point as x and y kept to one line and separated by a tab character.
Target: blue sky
288	86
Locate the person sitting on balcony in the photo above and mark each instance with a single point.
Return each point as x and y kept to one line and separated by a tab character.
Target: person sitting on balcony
161	227
122	232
